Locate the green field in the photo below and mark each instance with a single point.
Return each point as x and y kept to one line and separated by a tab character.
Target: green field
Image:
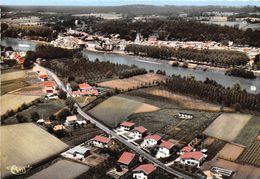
26	144
231	127
116	109
166	121
249	132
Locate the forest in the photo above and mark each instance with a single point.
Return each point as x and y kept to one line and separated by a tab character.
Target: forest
178	29
221	58
240	72
84	70
209	90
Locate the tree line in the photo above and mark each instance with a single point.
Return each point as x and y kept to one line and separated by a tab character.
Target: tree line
209	90
222	58
240	72
132	72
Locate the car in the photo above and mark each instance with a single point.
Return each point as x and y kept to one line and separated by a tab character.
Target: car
52	96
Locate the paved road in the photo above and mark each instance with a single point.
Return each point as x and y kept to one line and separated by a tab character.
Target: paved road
119	138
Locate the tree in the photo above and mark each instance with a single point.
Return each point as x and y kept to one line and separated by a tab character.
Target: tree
63	114
62	95
52	117
236	87
35	116
19	118
70	102
27	63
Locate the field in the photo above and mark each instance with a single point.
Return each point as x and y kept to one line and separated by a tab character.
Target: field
181	100
116	109
249	132
132	82
66	170
166	122
26	144
35	90
10	101
13	80
230	152
252	154
43	109
228	126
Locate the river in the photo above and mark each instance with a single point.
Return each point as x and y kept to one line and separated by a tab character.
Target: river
151	64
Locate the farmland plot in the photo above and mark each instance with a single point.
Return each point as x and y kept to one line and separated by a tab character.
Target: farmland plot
116	109
252	154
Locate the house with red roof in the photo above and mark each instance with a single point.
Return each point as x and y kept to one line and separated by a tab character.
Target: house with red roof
151	140
84	87
144	171
192	158
49	87
127	160
101	141
165	149
127	126
186	149
43	76
138	132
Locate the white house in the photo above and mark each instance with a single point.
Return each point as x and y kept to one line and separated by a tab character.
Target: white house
151	140
78	152
71	120
144	171
138	132
165	149
186	149
192	158
101	141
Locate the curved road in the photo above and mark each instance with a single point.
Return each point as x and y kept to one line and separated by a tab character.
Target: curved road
119	138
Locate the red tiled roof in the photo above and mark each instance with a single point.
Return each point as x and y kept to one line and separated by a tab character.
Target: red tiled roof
127	124
192	155
84	86
126	158
48	83
154	136
146	168
187	148
140	129
167	144
43	76
102	139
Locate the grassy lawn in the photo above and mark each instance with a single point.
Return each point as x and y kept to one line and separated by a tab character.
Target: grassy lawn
166	122
26	144
116	109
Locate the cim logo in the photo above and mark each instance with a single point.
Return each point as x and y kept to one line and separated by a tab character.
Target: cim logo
18	170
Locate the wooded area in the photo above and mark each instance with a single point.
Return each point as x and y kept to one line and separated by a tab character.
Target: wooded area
209	90
222	58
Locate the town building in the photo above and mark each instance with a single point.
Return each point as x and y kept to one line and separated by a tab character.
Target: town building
127	160
144	171
192	158
138	132
165	149
151	140
101	141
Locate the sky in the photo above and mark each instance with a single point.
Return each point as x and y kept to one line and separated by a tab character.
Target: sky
125	2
